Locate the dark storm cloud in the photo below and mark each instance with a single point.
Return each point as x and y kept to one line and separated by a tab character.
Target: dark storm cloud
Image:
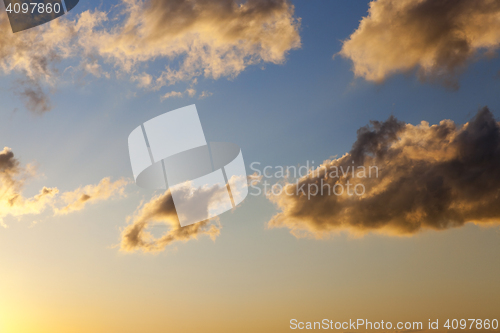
429	177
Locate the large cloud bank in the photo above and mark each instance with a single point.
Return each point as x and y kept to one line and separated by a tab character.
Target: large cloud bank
429	177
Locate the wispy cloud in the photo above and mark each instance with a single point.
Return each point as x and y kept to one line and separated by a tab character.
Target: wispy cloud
34	54
33	96
429	177
77	200
200	38
189	92
210	38
160	210
13	177
14	204
438	38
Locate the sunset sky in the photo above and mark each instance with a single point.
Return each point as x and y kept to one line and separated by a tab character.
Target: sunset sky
290	83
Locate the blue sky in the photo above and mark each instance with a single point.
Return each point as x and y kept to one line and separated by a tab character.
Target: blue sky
312	95
306	109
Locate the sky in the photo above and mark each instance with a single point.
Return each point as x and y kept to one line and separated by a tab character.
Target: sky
291	83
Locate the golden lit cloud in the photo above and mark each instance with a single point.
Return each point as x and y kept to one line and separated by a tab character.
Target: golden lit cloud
34	54
438	38
160	210
13	178
190	92
409	178
213	39
79	198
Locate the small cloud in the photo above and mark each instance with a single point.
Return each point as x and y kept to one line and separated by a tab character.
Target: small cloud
161	210
33	97
189	92
95	69
205	94
171	94
77	200
143	80
13	177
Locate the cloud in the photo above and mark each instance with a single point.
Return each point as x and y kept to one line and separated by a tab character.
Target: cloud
35	51
9	166
205	94
171	94
12	180
13	177
34	54
33	96
439	38
211	38
190	92
426	177
161	210
185	39
77	200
